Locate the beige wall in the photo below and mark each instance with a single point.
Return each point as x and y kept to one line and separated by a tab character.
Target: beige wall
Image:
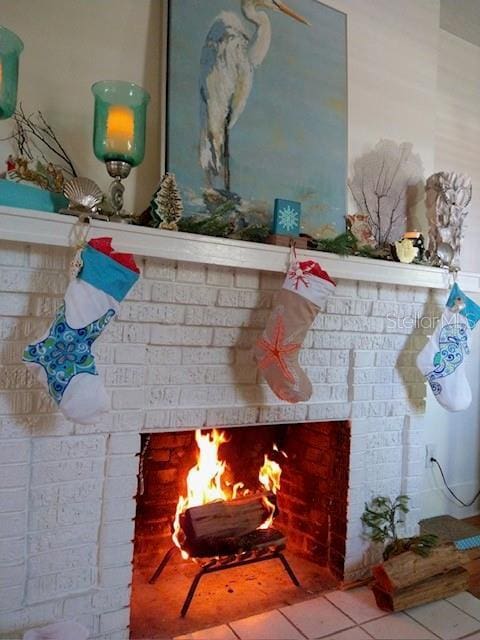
69	45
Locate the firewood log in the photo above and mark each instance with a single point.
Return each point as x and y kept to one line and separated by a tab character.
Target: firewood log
410	568
433	588
225	519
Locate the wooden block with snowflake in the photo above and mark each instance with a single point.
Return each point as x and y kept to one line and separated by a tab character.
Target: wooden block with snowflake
286	217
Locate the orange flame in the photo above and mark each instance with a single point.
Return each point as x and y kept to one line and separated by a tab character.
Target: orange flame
205	482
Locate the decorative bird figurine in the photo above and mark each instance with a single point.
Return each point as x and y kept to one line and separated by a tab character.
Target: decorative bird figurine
229	57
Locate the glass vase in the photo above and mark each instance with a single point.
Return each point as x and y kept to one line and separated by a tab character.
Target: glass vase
119	121
10	49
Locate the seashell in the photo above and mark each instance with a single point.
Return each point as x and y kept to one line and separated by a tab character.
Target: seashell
83	194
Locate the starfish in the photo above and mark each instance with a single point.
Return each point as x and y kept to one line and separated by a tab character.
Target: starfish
277	349
66	351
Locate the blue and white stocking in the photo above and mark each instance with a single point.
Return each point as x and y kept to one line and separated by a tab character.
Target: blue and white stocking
63	359
442	359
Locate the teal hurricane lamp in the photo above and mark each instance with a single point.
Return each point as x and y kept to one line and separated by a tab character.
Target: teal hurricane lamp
119	132
10	49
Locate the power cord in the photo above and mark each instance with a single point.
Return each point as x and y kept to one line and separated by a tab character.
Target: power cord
464	504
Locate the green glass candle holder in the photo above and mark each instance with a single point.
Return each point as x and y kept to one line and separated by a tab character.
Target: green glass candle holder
119	122
10	49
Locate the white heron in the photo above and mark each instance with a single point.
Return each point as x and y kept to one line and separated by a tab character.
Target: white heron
229	57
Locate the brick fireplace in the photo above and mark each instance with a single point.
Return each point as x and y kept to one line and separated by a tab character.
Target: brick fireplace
178	358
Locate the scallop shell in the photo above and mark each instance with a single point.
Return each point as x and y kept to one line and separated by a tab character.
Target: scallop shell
83	193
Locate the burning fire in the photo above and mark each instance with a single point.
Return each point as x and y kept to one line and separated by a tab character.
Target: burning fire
205	481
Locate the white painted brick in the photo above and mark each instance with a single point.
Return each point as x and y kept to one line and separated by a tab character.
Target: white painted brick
232	416
315	357
13	499
11	524
120	487
55	585
225	317
362	392
113	533
22	280
164	355
212	395
190	272
162	397
365	325
12	575
65	559
238	338
327	322
111	599
124	443
344	306
118	509
140	291
135	332
367	290
67	448
199	355
151	312
114	576
220	276
158	420
328	411
14	452
126	376
283	413
130	354
12	552
188	336
48	518
159	269
387	292
12	254
68	493
116	556
243	299
247	279
62	537
114	620
363	358
184	294
346	288
11	598
191	418
67	470
128	398
73	607
122	465
14	475
45	258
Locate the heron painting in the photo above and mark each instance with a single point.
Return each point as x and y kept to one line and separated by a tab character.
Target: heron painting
256	108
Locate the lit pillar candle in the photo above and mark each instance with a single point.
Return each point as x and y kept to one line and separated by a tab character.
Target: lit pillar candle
120	129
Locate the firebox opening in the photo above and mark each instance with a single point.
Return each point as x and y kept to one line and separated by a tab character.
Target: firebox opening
310	516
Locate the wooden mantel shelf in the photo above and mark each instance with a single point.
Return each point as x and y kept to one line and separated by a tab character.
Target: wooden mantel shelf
38	227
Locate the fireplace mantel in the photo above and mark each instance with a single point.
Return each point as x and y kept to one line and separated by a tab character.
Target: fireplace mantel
38	227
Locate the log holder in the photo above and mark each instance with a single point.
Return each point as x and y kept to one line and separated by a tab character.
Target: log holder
270	546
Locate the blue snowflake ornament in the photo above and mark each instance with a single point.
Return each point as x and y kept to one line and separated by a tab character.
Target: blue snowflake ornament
66	351
286	217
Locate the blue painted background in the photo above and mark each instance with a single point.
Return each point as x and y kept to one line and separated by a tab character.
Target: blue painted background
291	140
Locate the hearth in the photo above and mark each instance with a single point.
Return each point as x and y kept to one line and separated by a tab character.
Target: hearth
233	517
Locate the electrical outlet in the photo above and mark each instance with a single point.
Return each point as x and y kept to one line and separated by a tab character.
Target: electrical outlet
430	452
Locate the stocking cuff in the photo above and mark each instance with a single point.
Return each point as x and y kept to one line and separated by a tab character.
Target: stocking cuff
468	307
106	273
310	281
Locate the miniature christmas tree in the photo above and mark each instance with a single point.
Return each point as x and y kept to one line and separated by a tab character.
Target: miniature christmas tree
166	205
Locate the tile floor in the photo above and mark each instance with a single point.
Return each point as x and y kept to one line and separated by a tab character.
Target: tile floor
353	615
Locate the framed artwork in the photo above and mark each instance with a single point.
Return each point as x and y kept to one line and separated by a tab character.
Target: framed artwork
256	109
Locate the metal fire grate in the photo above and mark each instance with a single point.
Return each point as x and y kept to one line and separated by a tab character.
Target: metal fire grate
258	546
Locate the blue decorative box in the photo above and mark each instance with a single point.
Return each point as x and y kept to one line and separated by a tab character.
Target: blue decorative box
23	196
286	217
